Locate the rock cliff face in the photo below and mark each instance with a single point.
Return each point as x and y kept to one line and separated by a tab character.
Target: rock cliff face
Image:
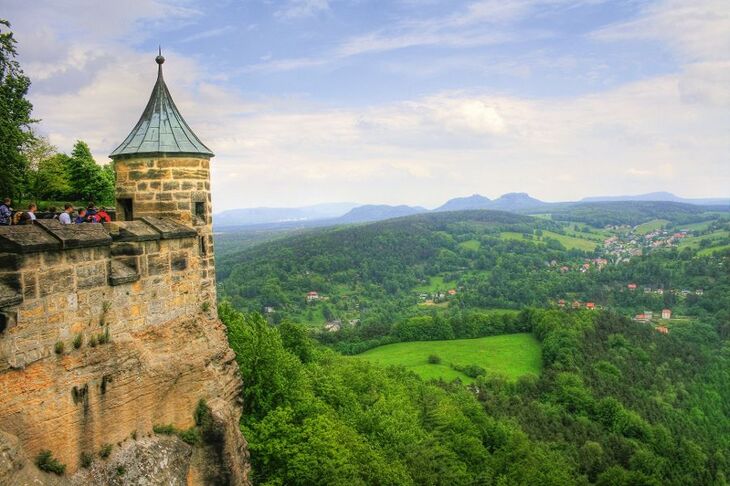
105	334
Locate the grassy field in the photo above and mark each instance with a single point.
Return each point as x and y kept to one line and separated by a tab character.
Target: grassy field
510	355
470	245
650	226
713	249
435	283
569	242
694	242
701	226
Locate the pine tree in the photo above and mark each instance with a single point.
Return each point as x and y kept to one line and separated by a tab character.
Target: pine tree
15	120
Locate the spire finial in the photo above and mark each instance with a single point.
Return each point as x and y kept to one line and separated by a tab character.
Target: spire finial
159	59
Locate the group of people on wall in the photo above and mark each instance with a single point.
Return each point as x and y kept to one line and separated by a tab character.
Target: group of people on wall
69	215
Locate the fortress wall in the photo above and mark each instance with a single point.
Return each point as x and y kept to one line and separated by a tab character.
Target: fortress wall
138	281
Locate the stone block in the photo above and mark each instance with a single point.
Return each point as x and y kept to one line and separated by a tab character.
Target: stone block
10	262
179	261
52	258
91	275
158	264
30	285
56	280
26	238
126	249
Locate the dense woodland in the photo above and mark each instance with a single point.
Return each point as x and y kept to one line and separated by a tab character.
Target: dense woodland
616	404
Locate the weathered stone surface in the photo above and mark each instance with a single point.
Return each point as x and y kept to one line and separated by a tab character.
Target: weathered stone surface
27	238
169	228
126	249
132	231
149	461
122	271
76	235
136	289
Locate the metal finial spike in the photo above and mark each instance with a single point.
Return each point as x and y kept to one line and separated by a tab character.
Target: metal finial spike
159	59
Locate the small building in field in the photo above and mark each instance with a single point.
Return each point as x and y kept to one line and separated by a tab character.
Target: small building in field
561	303
333	326
666	313
591	305
662	329
577	305
312	296
631	286
452	292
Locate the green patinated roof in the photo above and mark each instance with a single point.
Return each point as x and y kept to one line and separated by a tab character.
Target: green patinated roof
161	130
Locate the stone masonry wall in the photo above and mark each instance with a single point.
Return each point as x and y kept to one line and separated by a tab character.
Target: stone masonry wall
170	187
142	284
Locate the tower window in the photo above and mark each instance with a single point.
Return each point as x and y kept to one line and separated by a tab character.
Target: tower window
200	211
201	246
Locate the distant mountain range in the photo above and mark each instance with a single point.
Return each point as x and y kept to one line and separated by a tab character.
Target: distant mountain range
251	216
378	212
661	196
347	213
474	201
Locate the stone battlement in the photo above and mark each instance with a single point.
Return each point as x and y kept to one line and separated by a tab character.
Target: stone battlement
58	281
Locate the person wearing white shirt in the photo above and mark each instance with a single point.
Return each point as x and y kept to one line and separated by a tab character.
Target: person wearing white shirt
65	216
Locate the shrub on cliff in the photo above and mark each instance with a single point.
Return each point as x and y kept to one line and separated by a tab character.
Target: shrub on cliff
46	462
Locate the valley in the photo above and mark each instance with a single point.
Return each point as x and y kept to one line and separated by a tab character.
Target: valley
583	346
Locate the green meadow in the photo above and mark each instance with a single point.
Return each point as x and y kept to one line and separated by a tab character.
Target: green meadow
509	355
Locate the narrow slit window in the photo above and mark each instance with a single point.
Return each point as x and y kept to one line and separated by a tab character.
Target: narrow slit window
200	211
201	245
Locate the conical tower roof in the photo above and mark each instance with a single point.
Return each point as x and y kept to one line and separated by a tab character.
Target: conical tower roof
161	131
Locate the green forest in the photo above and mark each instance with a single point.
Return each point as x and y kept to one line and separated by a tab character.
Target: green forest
610	401
615	404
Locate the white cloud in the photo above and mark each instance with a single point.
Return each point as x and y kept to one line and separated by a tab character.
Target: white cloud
207	34
302	8
697	30
667	132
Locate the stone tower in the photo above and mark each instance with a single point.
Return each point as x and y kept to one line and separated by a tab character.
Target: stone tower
163	171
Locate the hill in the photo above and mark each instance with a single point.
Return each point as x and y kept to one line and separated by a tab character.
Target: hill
474	201
516	201
661	196
377	212
633	213
263	215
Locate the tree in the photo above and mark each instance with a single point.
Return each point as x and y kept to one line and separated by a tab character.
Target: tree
15	120
89	181
50	181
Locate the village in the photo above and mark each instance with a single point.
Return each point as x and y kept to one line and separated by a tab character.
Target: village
629	242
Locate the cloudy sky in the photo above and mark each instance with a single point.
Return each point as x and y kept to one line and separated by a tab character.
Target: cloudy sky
400	101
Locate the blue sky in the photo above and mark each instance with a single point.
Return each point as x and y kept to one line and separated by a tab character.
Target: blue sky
404	101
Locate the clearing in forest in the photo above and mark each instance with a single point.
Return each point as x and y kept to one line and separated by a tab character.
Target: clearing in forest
509	355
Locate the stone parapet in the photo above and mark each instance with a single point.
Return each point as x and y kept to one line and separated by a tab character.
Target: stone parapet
50	235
